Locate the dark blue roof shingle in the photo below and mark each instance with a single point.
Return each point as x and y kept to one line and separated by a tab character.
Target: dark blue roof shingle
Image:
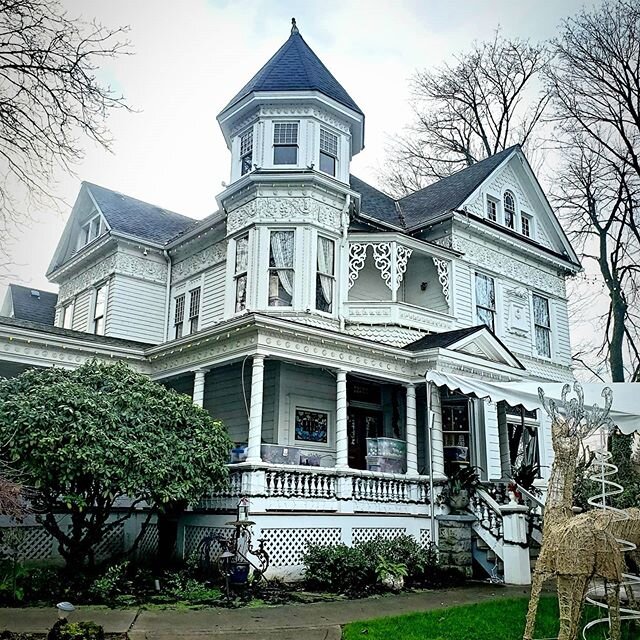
33	304
449	193
375	203
137	218
295	67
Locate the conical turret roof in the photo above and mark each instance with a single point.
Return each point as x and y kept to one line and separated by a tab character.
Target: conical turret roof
295	67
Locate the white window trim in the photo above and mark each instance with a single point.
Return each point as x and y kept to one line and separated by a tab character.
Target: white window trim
251	130
297	239
497	325
274	145
516	211
70	306
334	302
488	199
311	404
92	309
532	233
335	156
552	333
89	224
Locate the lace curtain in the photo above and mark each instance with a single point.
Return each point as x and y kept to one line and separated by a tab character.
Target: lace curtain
282	254
325	268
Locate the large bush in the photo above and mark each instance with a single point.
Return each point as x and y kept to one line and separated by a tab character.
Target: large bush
86	438
356	570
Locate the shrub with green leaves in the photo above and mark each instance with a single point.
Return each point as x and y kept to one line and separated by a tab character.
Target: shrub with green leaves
355	570
88	437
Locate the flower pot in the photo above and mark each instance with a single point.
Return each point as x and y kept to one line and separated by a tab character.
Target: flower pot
459	501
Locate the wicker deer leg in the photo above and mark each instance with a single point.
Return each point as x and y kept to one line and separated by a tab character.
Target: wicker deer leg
613	600
536	587
579	591
565	601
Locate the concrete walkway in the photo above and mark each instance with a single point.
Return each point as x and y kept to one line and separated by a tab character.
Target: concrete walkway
316	621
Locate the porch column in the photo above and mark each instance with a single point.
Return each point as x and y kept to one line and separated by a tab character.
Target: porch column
412	433
434	416
342	439
255	413
198	386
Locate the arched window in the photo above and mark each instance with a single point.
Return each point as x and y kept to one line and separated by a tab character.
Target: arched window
509	205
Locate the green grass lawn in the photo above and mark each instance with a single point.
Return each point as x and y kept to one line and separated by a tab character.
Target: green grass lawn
494	620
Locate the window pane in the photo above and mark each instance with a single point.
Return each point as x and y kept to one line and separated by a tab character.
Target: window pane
526	226
285	155
245	164
492	210
328	142
509	210
99	326
242	254
324	293
281	288
485	317
485	292
194	303
285	133
325	255
543	342
246	143
99	308
281	251
541	311
241	293
179	311
327	164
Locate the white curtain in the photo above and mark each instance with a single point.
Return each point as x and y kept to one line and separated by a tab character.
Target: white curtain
282	249
325	267
242	254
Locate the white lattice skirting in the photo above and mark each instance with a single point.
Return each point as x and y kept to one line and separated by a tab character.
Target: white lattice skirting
286	547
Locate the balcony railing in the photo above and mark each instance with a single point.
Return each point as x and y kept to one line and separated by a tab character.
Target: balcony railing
398	313
273	486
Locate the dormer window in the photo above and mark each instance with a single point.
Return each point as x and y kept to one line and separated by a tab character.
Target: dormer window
509	205
285	143
246	151
328	152
492	210
90	231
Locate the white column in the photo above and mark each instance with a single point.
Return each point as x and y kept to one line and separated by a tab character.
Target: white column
412	433
198	386
255	413
342	438
435	422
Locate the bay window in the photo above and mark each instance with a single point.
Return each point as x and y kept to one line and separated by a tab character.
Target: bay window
485	301
325	275
240	272
281	272
542	326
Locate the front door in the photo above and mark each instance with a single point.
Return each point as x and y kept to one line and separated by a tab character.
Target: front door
362	424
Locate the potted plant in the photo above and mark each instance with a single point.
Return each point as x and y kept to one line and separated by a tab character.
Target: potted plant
391	574
461	485
523	476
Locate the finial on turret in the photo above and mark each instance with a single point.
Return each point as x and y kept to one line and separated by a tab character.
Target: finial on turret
294	28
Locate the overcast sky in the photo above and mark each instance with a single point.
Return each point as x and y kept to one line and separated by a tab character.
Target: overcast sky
190	57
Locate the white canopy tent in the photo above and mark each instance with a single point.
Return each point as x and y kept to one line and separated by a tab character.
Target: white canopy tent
625	410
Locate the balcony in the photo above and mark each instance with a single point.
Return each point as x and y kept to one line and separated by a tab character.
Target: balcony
398	313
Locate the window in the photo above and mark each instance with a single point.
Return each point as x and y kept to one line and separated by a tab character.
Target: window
328	152
285	143
485	300
90	231
525	222
99	308
492	210
194	309
325	275
281	274
542	324
509	210
246	152
178	316
240	273
521	427
66	318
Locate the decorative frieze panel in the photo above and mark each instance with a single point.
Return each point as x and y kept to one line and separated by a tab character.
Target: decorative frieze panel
519	271
383	259
199	261
283	209
518	318
125	263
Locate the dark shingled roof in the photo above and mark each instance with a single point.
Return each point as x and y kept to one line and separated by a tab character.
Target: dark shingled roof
295	67
33	304
137	218
442	340
374	203
450	192
69	333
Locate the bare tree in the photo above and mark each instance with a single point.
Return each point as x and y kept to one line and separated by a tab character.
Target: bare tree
467	111
49	98
597	200
595	80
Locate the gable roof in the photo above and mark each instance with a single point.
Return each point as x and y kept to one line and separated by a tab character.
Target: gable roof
449	193
33	304
138	218
442	340
295	67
